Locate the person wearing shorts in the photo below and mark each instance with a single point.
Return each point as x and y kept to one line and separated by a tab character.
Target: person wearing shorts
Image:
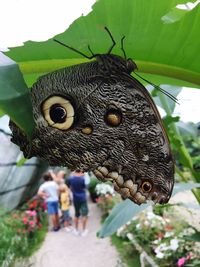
65	204
49	191
78	187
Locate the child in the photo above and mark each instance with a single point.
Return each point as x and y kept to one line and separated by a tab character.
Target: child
65	203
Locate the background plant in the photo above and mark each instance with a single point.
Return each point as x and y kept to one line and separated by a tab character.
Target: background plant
159	37
22	232
106	198
164	238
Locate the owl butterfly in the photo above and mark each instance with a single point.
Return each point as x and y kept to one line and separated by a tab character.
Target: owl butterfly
95	116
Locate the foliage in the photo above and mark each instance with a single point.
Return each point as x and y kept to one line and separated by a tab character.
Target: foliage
22	231
91	188
126	210
174	62
164	238
14	96
128	255
184	161
106	198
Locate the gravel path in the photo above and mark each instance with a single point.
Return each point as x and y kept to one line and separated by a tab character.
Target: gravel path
61	249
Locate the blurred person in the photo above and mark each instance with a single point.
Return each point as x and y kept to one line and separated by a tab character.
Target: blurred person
49	191
65	205
87	178
59	178
77	185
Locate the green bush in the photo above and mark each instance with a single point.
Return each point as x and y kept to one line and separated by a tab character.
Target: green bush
91	188
22	232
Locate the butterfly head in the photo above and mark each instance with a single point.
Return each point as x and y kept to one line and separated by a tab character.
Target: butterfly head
115	63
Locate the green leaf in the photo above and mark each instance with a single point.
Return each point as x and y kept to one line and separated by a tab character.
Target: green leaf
2	113
164	101
177	14
120	215
14	95
194	237
182	187
158	48
21	162
169	119
126	210
187	129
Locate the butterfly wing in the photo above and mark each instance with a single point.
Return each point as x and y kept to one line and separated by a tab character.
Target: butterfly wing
113	129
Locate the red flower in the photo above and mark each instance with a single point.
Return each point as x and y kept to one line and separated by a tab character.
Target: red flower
169	228
25	220
33	204
32	223
160	235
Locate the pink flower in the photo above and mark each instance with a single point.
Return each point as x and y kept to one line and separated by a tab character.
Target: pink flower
31	223
25	220
181	262
188	257
31	213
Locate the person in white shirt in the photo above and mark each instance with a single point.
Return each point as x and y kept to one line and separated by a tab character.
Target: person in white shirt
49	191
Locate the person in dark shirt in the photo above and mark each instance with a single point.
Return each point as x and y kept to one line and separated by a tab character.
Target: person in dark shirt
77	185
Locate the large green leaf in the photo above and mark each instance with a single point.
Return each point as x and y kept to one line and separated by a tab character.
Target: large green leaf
164	101
126	210
187	129
158	48
120	215
14	95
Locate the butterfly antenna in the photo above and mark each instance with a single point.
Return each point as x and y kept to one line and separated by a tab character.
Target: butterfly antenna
113	41
160	89
122	47
93	55
75	50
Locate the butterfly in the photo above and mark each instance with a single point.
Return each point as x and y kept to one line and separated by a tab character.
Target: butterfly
96	117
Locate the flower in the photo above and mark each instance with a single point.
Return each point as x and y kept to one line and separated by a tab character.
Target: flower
32	213
150	215
160	235
104	189
33	204
32	223
174	244
168	234
138	226
160	255
25	220
181	262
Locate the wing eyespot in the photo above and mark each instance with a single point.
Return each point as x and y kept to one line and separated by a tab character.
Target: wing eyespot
146	187
87	130
113	117
58	112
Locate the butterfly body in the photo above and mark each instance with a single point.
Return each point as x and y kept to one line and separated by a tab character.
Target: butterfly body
96	117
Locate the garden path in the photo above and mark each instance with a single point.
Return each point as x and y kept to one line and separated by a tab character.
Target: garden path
61	249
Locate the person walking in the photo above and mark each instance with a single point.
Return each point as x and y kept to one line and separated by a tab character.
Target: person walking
77	185
49	191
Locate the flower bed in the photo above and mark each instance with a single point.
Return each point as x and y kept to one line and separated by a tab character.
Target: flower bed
22	231
106	198
167	239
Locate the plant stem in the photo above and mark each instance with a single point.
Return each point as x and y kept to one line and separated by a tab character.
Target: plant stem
183	152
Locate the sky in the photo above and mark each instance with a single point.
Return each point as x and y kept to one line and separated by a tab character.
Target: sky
39	20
